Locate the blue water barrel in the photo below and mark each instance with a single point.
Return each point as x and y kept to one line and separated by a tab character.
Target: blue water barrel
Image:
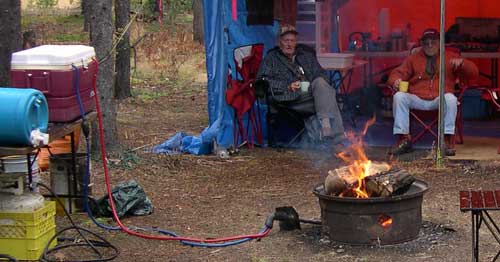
22	110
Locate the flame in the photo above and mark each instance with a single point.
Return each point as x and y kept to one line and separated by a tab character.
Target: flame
355	157
385	221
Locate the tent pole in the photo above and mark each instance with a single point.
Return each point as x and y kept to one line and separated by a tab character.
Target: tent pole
440	149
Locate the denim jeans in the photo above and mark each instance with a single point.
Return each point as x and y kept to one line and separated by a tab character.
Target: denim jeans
403	102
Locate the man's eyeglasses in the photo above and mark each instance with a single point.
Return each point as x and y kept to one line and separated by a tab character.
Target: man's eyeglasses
429	42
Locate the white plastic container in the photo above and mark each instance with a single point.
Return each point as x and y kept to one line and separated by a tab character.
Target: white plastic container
18	164
335	60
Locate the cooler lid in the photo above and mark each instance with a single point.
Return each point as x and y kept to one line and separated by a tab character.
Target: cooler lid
48	56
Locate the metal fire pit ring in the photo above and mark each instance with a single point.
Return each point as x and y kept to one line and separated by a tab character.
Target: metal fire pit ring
372	221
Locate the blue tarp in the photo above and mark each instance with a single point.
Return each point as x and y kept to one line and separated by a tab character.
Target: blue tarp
222	36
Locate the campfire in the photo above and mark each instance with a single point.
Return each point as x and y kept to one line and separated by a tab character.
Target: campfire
362	178
369	203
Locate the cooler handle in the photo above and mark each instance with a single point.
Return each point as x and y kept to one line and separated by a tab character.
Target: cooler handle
45	76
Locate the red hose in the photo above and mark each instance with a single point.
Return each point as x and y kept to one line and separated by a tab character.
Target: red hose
112	203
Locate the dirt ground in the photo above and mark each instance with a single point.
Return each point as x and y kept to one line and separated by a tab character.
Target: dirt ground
203	196
207	197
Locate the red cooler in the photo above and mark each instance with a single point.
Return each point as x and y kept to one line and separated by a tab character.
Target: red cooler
55	70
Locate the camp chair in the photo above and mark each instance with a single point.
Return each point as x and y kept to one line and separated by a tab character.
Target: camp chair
491	95
424	122
240	94
284	126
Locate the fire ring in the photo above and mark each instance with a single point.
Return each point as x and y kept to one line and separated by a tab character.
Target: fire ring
372	221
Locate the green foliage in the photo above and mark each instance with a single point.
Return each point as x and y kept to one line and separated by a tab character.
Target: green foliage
70	37
171	8
147	95
42	3
70	20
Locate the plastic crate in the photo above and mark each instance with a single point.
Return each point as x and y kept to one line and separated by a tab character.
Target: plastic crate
27	249
28	225
25	235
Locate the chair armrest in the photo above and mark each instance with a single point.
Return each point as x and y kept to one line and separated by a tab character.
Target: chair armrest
386	89
261	87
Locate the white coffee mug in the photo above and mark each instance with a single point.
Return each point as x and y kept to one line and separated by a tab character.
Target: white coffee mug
304	86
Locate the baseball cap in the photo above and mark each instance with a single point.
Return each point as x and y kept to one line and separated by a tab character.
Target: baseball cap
430	33
288	29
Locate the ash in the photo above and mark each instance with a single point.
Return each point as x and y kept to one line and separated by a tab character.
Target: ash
431	235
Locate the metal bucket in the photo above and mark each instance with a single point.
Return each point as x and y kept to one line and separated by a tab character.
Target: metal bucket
365	221
67	183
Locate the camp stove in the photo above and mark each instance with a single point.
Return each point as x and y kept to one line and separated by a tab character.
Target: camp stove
374	220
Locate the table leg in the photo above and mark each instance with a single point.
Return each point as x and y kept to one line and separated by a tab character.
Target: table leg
365	76
73	168
30	173
476	224
494	73
370	72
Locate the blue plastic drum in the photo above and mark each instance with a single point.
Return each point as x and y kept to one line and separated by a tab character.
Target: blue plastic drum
22	110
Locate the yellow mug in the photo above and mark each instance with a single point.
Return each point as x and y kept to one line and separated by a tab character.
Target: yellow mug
403	86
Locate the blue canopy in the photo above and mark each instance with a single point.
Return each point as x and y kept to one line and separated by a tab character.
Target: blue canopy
222	36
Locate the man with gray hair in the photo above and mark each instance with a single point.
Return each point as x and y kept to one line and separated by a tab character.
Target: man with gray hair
420	74
298	82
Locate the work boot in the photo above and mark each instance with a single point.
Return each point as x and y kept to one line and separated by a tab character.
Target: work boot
402	146
326	133
449	145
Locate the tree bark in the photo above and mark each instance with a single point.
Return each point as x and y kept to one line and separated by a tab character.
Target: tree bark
86	12
101	38
198	30
122	18
10	32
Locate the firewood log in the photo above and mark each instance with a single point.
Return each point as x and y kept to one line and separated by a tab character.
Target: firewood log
340	180
394	182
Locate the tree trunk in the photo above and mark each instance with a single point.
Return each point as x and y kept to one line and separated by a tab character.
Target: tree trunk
198	30
122	18
86	12
10	32
101	38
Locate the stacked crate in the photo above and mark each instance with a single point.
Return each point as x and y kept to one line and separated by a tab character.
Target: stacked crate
24	235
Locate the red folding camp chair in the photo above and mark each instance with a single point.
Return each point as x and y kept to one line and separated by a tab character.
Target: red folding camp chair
240	94
492	95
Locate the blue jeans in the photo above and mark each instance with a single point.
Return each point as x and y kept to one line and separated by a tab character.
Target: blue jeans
403	102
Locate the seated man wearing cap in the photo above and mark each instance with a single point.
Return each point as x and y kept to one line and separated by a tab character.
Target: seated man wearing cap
421	72
289	64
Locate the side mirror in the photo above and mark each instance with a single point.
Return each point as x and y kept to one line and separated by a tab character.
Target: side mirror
261	86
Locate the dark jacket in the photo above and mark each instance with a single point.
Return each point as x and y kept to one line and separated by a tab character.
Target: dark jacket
281	71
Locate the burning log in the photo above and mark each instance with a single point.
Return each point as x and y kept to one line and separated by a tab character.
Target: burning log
379	181
340	179
394	182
